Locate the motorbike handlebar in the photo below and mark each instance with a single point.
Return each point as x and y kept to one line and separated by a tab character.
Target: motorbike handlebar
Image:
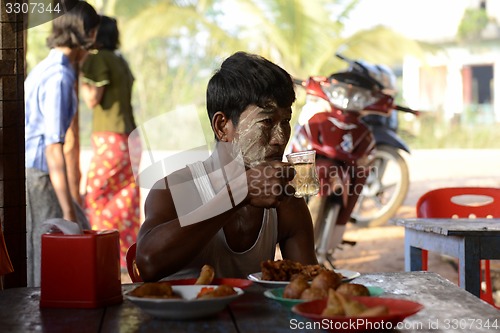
298	82
302	83
340	56
405	109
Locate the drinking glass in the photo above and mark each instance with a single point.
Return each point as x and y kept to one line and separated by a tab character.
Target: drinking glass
306	180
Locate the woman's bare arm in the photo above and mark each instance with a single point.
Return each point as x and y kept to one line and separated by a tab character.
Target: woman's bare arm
92	95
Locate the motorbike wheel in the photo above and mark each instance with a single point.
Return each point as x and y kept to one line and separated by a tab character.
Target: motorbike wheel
324	213
385	189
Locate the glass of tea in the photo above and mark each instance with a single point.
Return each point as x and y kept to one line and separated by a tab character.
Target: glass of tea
306	181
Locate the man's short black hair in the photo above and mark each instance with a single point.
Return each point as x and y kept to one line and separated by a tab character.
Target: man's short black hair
247	79
72	29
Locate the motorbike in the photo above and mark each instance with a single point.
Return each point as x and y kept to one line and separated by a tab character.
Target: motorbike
331	123
386	189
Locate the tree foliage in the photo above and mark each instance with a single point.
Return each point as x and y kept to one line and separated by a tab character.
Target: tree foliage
173	46
472	24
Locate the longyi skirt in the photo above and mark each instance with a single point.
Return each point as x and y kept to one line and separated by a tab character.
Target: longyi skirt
112	199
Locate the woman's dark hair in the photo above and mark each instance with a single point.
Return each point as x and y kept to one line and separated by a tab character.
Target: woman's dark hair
246	79
73	28
108	36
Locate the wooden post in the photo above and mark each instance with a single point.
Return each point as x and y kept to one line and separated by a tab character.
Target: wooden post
12	170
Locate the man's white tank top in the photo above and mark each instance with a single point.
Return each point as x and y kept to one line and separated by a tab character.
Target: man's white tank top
218	254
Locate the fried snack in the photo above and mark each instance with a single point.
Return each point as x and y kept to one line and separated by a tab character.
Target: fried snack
221	291
374	311
334	305
296	286
154	290
338	304
311	271
206	275
326	279
353	308
284	270
280	270
353	289
311	294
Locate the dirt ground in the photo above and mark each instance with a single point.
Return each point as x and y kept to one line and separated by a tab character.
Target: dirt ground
381	249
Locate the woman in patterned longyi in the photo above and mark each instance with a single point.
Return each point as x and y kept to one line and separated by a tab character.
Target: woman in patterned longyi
112	200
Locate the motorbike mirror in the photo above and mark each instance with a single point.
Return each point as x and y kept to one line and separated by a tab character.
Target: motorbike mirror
356	65
355	79
342	57
361	67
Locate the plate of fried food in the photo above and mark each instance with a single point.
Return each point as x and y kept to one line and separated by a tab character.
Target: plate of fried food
277	295
340	313
276	274
164	300
299	290
207	277
233	282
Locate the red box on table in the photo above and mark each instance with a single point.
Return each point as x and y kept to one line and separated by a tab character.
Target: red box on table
81	271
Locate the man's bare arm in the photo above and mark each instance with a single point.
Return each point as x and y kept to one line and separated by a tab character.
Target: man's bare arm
296	234
164	247
59	179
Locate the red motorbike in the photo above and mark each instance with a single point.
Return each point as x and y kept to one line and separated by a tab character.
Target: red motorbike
331	123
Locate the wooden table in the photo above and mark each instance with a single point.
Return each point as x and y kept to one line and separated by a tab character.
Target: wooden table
469	240
447	308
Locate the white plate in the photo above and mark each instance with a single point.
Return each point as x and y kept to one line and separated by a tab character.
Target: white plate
347	274
257	277
186	308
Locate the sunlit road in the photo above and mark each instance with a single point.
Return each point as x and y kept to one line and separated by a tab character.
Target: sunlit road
431	169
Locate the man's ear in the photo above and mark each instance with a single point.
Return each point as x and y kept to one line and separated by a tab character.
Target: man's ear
220	126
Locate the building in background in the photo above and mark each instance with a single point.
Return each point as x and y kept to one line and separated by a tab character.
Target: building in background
458	78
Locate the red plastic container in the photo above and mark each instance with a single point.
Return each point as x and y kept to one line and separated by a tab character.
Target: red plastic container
81	271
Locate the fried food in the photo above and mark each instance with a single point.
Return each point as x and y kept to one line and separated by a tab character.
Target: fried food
206	275
327	280
163	289
280	270
311	271
374	311
311	294
334	305
325	284
220	291
284	270
154	290
339	304
353	308
296	286
353	289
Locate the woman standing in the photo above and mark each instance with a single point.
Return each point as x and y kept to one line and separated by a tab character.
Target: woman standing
112	200
50	105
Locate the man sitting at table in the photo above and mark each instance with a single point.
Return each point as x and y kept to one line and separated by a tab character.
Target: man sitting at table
231	210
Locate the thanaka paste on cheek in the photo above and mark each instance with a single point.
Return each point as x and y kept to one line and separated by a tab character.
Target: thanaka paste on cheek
279	134
248	137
